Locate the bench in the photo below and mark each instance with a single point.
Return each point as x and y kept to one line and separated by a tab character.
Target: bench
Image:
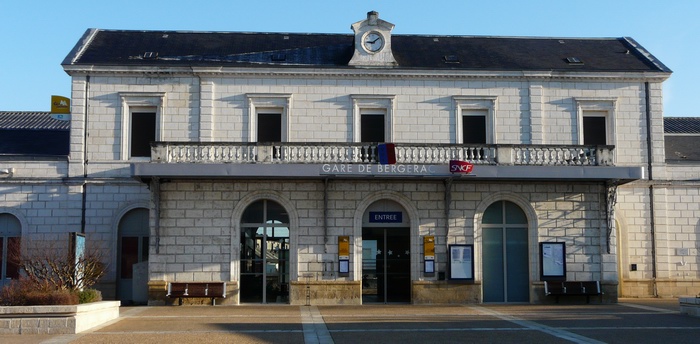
212	290
572	288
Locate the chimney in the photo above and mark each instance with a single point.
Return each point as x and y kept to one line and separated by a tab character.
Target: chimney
372	17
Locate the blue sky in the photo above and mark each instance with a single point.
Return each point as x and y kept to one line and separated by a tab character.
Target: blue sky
37	35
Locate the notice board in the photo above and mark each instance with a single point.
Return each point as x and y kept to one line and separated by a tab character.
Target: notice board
461	261
552	261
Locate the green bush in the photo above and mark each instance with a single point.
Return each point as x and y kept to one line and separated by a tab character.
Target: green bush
89	295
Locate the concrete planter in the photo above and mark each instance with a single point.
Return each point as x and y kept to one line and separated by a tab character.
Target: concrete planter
56	319
689	305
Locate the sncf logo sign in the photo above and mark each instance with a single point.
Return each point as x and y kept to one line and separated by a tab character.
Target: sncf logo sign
457	166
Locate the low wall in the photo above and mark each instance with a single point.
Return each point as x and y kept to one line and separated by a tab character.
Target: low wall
56	319
690	305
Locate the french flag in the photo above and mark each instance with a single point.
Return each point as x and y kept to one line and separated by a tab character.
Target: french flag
387	153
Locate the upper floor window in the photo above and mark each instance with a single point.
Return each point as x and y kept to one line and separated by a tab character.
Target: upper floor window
270	126
595	121
142	131
269	117
141	123
474	119
373	118
10	244
372	127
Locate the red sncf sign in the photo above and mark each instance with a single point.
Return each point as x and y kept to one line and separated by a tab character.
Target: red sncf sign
457	166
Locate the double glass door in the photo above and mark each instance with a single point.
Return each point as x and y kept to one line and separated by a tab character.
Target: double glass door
264	250
386	265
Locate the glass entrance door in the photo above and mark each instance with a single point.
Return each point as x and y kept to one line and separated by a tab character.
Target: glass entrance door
505	254
386	265
264	272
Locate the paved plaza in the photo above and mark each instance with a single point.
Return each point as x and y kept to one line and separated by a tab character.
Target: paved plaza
630	321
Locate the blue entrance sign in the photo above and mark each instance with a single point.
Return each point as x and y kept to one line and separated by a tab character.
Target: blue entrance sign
385	217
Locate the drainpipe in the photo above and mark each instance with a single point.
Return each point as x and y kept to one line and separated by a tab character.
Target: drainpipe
85	158
652	222
155	191
325	215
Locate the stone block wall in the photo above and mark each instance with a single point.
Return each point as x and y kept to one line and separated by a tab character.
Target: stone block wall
197	242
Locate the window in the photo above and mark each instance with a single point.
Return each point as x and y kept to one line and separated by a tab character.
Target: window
141	123
10	244
143	132
268	117
474	118
372	127
373	117
269	127
594	128
595	121
474	126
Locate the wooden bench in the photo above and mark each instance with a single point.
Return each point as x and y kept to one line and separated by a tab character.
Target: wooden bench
572	288
212	290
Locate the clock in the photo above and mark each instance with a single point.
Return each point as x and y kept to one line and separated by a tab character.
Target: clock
373	42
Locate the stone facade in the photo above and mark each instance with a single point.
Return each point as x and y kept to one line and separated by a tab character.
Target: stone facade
196	217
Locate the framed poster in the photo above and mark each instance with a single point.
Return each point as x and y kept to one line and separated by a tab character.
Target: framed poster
552	261
461	262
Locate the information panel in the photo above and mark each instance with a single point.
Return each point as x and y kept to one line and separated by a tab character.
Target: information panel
552	261
461	260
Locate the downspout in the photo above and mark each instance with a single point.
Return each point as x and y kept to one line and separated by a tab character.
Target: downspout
652	222
155	191
448	204
325	215
85	158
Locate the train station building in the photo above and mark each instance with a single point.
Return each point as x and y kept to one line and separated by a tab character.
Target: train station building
365	167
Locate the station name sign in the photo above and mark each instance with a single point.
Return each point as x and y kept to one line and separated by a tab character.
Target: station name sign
376	170
398	170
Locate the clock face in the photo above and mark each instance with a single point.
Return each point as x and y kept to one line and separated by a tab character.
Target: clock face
373	42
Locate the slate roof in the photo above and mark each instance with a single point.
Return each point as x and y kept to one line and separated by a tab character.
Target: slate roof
37	120
289	50
33	134
682	125
682	139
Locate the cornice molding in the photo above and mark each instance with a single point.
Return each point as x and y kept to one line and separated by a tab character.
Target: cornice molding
363	73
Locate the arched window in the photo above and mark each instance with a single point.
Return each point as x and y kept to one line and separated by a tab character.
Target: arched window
10	243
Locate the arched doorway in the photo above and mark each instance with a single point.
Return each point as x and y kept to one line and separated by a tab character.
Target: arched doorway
132	279
10	243
264	249
505	253
386	253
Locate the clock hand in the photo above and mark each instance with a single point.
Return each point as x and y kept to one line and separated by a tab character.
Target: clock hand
372	42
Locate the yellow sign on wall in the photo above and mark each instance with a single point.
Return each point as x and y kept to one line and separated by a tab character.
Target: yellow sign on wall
344	247
429	247
60	104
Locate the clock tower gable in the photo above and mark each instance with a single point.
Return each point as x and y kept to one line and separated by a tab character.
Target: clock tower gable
372	42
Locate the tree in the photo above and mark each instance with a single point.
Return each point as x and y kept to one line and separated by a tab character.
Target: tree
46	263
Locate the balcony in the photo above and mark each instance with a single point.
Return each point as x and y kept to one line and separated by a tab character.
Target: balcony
365	153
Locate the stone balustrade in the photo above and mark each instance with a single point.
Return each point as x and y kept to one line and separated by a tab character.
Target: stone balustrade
367	153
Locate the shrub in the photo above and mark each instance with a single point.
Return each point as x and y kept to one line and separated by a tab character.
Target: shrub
13	294
53	297
89	295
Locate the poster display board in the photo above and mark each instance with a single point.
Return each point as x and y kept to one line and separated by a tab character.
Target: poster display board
429	254
344	254
461	261
552	261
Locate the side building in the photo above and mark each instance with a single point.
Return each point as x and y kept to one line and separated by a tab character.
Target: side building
369	167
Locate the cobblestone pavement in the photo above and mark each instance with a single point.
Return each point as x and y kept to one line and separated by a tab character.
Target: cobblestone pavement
630	321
